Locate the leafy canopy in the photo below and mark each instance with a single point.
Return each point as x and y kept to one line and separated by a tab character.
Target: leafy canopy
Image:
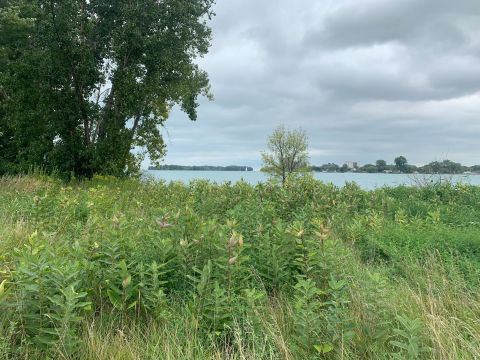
287	154
82	83
401	163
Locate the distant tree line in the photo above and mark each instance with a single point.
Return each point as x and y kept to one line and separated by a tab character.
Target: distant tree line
401	166
202	168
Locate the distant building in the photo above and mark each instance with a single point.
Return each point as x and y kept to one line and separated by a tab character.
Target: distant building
352	164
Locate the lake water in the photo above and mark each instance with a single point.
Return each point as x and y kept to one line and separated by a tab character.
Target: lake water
366	181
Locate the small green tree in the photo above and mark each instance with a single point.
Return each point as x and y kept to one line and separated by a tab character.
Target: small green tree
287	154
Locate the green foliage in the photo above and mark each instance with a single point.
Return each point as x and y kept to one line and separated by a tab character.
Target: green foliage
339	322
113	268
409	339
212	303
306	317
287	154
120	290
46	296
273	257
401	163
78	92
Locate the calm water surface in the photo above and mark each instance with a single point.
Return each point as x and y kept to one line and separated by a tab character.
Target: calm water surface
366	181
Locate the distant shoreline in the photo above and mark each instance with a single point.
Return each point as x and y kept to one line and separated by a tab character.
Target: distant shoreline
151	168
201	168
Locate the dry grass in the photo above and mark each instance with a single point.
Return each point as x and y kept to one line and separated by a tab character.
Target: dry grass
23	183
451	315
169	342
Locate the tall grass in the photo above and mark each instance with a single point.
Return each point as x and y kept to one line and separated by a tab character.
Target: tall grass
123	269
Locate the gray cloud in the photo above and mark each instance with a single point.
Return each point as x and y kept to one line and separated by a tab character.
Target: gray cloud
357	23
367	79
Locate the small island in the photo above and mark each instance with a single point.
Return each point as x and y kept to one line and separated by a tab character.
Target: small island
202	168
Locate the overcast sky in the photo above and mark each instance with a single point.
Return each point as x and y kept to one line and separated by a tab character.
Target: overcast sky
367	80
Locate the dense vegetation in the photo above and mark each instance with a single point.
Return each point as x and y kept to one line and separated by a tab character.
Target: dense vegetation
82	83
110	269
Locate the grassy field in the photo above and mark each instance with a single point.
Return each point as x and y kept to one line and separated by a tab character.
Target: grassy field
111	269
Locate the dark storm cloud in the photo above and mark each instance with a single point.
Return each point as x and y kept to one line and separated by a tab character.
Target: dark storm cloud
367	79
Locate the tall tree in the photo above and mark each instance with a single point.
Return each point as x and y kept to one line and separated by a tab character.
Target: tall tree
85	82
287	154
381	165
401	163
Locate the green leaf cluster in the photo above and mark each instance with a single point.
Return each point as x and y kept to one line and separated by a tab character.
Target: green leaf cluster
84	83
